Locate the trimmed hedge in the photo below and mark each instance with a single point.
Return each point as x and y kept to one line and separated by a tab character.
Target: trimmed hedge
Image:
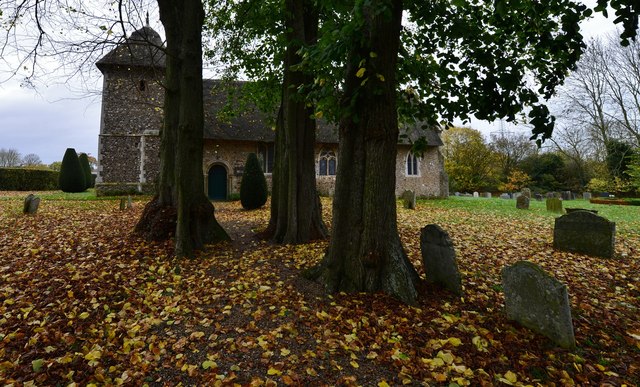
86	170
253	187
71	173
22	179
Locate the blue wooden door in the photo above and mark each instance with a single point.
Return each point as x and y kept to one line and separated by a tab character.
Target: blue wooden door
218	183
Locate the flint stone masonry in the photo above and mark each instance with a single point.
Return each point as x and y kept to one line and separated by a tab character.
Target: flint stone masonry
31	204
439	258
539	302
554	205
409	199
585	232
522	202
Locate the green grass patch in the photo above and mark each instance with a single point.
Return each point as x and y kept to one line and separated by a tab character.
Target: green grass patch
89	194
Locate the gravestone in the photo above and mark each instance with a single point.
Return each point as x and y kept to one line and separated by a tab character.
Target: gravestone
522	202
505	196
515	195
123	204
526	192
31	204
476	194
539	302
457	194
439	258
539	197
554	205
409	199
586	195
487	195
585	232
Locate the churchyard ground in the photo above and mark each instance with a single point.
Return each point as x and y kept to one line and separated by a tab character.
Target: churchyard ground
83	301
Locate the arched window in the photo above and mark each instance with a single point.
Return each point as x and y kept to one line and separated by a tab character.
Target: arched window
327	163
412	165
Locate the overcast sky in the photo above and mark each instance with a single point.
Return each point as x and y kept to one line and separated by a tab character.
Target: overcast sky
52	118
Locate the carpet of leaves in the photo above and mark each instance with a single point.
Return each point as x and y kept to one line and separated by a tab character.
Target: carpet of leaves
85	302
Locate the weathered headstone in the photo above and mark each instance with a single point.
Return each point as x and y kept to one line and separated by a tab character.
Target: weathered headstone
457	194
515	195
439	258
554	205
505	196
476	194
585	232
123	204
487	195
31	204
129	202
586	195
409	199
526	192
522	202
539	197
539	302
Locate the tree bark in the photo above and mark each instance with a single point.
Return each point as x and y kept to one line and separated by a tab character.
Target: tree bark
296	212
180	200
365	253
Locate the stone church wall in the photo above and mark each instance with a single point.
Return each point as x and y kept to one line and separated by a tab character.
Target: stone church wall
431	181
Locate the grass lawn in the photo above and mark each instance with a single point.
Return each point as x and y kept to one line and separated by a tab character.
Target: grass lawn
83	300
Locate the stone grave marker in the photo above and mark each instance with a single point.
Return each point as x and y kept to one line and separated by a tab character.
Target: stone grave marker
554	205
457	193
522	202
31	204
439	258
476	194
505	196
409	199
539	197
585	232
526	192
487	195
539	302
586	195
516	195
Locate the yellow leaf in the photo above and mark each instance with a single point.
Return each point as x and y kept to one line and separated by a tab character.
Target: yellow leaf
360	72
284	352
209	364
83	315
600	367
372	355
454	341
93	355
354	364
373	54
510	376
380	77
273	371
383	384
312	372
319	114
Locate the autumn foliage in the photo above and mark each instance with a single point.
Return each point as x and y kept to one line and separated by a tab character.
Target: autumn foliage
83	300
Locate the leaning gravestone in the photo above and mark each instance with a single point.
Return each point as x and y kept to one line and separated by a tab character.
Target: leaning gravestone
31	204
539	302
522	202
439	258
585	232
526	192
409	199
554	205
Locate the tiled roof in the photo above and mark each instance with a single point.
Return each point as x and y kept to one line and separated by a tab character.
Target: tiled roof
252	125
143	48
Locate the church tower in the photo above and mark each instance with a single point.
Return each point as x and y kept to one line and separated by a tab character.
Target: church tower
131	118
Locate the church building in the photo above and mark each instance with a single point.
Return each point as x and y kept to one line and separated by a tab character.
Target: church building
131	120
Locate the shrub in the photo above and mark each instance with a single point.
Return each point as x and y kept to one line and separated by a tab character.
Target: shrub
86	169
71	174
253	188
21	179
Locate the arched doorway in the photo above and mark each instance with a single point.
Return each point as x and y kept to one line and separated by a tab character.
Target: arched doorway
217	182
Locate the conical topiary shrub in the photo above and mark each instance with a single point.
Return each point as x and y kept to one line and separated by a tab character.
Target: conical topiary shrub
86	169
71	174
253	188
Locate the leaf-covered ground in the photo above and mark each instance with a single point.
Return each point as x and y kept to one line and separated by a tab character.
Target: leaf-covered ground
82	301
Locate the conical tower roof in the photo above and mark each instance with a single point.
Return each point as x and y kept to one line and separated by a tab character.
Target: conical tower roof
143	48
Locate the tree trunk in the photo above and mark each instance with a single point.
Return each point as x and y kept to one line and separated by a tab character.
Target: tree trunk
296	213
180	197
365	253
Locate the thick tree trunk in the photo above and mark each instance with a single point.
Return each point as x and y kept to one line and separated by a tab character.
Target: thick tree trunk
365	253
296	213
181	183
